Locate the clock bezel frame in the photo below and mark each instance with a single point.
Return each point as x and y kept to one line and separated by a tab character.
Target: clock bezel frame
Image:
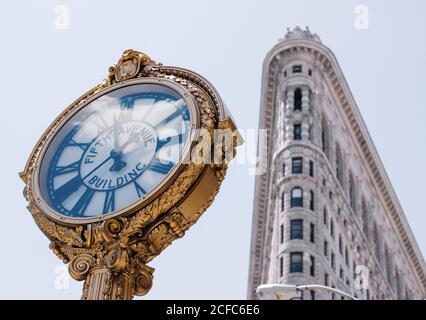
178	167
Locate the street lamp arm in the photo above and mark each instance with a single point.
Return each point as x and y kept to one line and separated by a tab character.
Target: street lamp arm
317	286
290	291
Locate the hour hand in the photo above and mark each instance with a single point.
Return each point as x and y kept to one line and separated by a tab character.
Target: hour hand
116	144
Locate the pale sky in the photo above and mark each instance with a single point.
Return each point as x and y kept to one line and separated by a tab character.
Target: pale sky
45	68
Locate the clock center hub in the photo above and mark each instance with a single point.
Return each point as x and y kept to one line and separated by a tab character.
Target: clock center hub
118	155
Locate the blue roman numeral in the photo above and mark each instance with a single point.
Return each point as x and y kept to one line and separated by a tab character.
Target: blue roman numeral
82	203
100	123
169	118
169	141
81	145
141	191
160	167
66	169
67	189
109	203
128	101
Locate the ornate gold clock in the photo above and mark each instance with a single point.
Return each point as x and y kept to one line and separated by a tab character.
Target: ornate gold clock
126	169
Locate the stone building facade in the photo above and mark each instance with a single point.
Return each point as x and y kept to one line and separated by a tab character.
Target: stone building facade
325	212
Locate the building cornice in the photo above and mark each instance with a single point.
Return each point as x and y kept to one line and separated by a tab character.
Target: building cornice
338	85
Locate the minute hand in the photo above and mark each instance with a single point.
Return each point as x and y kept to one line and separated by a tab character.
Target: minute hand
133	138
97	167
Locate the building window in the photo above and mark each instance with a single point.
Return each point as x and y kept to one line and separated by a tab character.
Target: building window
312	233
398	288
296	229
281	266
339	165
297	197
341	275
283	169
312	268
325	248
340	244
376	243
282	201
311	168
407	294
332	228
326	277
325	216
312	201
352	193
310	72
297	69
347	256
312	295
297	165
333	261
298	100
282	233
325	137
388	265
297	132
365	218
296	262
285	73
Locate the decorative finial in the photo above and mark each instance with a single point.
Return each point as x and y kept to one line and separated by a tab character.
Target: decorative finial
297	33
131	64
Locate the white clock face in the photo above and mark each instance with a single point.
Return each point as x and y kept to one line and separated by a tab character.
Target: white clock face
115	151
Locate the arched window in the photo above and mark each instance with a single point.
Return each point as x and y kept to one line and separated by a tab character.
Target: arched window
376	242
352	193
297	197
339	165
365	219
325	136
282	201
298	100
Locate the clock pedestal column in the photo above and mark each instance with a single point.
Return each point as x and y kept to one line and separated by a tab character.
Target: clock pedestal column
111	274
106	284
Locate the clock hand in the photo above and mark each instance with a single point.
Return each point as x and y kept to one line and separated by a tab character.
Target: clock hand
117	153
116	145
97	167
134	137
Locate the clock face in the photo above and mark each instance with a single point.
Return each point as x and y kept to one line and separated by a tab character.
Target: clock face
116	150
